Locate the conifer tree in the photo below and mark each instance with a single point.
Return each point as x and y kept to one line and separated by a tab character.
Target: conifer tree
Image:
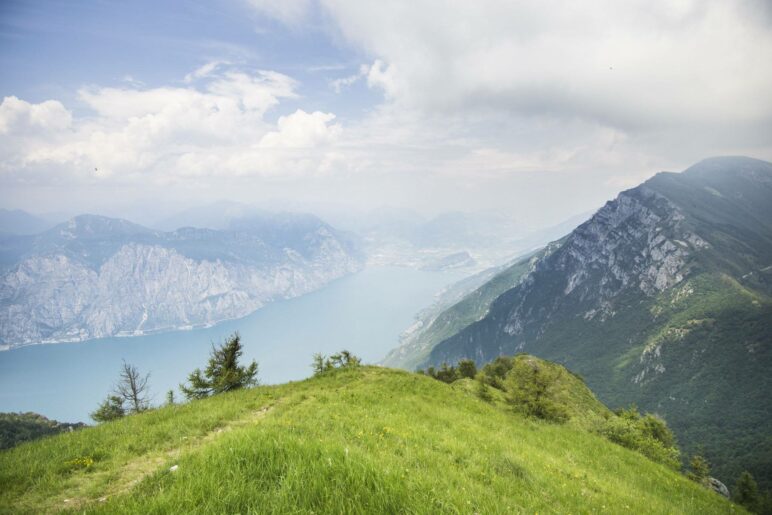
223	372
700	469
110	409
746	492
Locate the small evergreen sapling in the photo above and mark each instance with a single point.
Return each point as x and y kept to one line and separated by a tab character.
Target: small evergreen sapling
700	469
343	359
110	409
223	372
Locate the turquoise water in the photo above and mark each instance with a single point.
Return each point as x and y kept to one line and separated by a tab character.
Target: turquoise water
363	313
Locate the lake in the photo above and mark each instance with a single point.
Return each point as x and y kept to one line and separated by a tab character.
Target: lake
364	313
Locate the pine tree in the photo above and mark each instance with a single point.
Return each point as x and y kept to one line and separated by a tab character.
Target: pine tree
319	364
700	469
343	359
170	398
223	372
746	493
110	409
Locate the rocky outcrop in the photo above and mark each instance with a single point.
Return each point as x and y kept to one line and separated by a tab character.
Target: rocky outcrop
718	487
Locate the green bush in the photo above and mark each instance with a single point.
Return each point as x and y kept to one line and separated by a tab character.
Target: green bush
647	434
110	409
494	372
343	359
700	469
530	387
466	369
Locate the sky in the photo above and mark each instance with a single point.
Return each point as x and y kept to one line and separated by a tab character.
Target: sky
538	108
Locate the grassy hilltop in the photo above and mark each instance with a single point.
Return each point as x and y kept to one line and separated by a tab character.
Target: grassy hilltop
364	440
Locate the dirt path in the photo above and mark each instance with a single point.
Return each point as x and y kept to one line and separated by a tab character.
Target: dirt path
121	480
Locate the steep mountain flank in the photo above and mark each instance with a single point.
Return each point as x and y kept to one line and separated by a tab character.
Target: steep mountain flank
661	299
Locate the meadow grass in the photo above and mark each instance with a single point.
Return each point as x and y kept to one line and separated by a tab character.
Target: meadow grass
366	440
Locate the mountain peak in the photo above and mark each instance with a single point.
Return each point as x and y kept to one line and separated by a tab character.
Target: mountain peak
96	225
725	165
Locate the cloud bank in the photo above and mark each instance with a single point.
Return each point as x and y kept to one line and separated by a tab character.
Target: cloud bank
511	101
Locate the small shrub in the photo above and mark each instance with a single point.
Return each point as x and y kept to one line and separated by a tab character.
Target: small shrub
630	429
110	409
700	469
494	372
467	369
446	373
343	359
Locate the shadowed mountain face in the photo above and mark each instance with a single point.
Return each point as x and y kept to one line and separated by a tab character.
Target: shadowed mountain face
663	299
94	276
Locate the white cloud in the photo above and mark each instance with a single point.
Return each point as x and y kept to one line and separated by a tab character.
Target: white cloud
302	130
19	116
547	107
166	134
647	62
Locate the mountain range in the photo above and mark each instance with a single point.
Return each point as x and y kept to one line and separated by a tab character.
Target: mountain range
663	299
94	276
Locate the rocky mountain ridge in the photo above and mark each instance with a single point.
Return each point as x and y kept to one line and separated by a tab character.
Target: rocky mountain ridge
94	277
663	299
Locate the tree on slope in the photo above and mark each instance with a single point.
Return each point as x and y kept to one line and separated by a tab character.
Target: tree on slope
746	493
133	388
110	409
223	372
343	359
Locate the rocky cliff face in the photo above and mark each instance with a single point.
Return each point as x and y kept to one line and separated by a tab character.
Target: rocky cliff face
94	277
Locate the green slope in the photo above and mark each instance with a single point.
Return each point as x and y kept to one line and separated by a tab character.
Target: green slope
367	440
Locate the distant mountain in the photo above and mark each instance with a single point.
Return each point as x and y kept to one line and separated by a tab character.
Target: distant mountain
455	308
94	276
663	298
396	237
469	300
217	215
18	222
